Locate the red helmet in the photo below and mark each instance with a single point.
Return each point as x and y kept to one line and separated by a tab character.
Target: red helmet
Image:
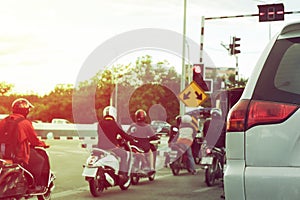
140	115
21	106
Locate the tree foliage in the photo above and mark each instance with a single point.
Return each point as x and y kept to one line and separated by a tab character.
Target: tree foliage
5	88
143	84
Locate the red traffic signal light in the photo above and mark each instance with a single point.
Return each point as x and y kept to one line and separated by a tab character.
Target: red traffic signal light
198	68
271	12
233	45
197	76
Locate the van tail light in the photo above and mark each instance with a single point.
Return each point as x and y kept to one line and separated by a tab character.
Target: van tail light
236	116
246	114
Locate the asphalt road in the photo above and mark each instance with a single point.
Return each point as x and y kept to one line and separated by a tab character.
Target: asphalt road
67	158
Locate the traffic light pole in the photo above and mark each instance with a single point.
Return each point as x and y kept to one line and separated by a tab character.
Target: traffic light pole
226	17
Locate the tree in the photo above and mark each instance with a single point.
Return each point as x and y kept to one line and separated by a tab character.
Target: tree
57	104
160	81
5	88
233	83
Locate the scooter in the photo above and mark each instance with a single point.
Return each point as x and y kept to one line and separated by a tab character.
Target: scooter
213	162
101	171
16	182
141	166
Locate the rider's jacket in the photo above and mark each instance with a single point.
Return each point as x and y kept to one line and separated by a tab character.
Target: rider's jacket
186	134
27	138
108	131
141	130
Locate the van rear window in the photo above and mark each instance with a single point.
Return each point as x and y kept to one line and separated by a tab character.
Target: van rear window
280	77
287	77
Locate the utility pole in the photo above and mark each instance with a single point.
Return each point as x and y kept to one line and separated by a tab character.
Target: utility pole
182	83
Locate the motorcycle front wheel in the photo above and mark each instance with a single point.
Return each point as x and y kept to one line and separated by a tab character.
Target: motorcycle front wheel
97	184
96	187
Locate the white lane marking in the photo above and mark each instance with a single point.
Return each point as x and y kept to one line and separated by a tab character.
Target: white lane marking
205	189
69	192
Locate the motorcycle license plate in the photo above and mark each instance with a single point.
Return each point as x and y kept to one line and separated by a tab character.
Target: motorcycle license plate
206	160
89	172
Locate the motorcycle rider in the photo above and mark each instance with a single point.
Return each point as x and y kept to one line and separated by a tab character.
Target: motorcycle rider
214	129
173	132
26	155
184	139
174	129
109	135
141	129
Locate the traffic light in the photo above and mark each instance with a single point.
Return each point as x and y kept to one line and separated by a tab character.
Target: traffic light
271	12
198	78
233	45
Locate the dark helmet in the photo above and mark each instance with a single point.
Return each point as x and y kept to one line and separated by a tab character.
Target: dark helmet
21	106
110	111
140	115
178	120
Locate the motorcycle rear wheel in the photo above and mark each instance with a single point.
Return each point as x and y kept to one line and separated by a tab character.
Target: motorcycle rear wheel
135	179
126	184
197	160
211	172
175	167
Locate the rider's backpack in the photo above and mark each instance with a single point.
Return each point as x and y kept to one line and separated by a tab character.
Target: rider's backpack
9	138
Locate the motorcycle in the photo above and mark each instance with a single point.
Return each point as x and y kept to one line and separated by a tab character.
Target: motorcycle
177	157
16	182
141	166
101	170
213	161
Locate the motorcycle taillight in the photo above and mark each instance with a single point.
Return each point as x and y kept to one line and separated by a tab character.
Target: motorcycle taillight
208	151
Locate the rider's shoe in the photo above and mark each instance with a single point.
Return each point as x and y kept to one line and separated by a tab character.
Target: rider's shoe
194	172
151	172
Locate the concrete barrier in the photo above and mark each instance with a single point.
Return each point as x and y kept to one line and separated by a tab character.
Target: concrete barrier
86	133
69	130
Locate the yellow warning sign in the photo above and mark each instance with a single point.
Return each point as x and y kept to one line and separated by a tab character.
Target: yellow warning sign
193	95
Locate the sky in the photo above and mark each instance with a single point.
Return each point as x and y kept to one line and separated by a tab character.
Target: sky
46	42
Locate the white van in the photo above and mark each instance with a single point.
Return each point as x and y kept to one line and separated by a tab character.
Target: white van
263	128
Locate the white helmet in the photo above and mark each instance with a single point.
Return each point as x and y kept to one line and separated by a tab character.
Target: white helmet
110	111
216	113
186	119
